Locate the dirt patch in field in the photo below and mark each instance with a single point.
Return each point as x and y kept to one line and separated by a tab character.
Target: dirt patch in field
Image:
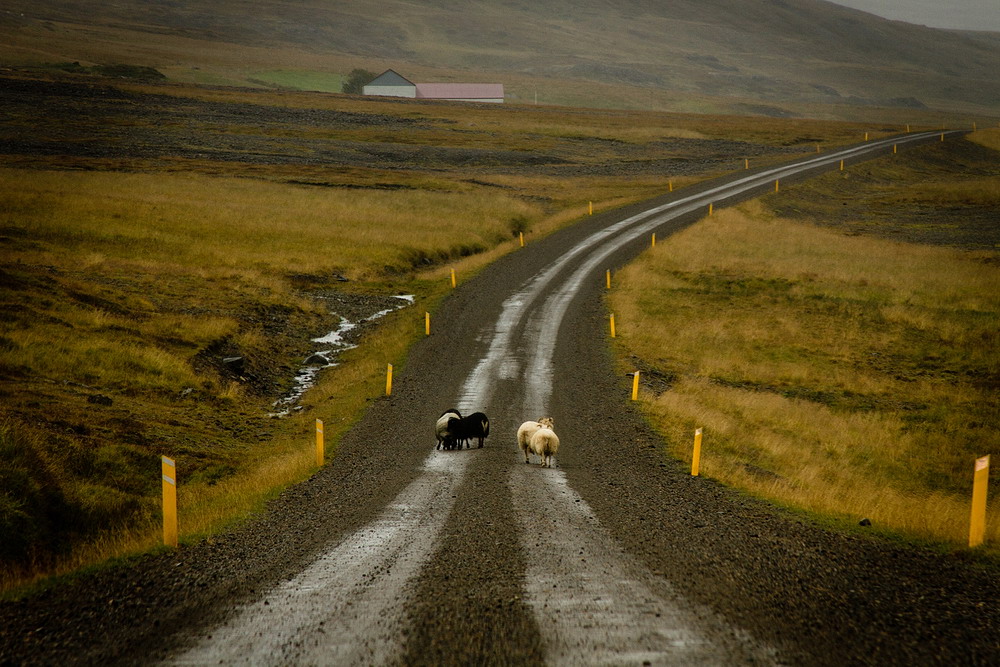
880	198
90	124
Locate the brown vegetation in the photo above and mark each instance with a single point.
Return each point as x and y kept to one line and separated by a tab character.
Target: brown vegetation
848	375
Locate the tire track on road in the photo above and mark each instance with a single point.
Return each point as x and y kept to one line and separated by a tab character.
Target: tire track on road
346	607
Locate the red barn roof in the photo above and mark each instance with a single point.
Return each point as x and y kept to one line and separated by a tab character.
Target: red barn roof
460	91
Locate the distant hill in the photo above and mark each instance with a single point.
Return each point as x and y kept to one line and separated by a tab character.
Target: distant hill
770	56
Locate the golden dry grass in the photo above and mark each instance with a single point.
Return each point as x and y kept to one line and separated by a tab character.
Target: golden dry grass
989	138
222	226
846	375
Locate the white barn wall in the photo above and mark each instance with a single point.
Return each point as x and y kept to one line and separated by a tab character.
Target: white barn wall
391	91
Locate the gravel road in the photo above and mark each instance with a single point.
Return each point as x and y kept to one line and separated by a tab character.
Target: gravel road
395	553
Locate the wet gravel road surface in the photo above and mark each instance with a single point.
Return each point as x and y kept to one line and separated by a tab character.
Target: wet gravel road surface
398	554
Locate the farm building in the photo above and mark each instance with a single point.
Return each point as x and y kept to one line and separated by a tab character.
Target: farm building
391	84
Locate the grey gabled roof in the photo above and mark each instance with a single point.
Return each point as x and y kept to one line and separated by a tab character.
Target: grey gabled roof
389	78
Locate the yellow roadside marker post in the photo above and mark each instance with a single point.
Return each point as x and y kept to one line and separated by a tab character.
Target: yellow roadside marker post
320	449
521	236
607	278
635	386
710	208
977	524
842	165
612	325
427	323
654	240
776	185
453	282
670	186
696	455
746	163
590	208
388	380
894	149
168	472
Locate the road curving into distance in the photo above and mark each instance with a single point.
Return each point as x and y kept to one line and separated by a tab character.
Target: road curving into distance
395	553
597	604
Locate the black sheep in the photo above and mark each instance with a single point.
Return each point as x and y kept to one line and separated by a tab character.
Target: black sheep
476	425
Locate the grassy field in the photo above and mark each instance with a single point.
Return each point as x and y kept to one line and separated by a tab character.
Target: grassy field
119	300
854	376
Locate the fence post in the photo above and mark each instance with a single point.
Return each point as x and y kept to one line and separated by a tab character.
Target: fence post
320	449
168	471
980	481
696	455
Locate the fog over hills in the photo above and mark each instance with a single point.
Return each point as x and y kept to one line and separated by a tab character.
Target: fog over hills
767	52
954	15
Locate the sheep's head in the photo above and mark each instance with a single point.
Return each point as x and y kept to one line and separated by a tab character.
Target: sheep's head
547	422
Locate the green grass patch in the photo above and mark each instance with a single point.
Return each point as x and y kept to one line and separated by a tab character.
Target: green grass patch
322	82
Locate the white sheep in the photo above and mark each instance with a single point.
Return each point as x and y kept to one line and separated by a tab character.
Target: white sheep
545	443
442	432
527	429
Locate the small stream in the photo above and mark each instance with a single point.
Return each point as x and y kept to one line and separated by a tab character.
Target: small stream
332	344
